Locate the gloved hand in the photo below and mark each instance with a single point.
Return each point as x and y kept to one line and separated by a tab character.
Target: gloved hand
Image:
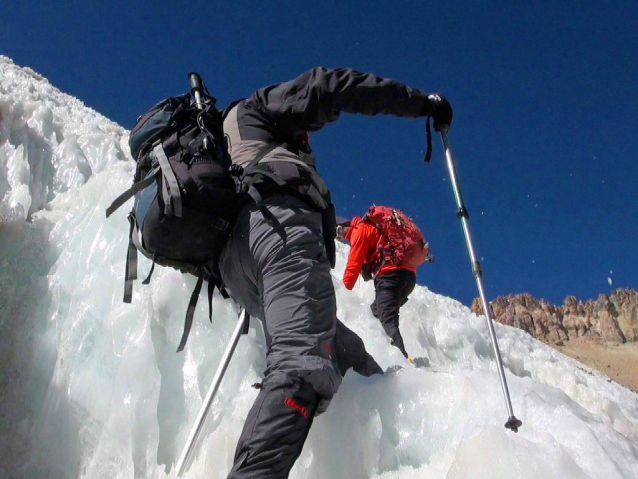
441	111
366	271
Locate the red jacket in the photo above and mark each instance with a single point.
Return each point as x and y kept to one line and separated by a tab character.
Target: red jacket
364	242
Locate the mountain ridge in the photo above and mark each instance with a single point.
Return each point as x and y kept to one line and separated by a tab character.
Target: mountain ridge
610	318
601	333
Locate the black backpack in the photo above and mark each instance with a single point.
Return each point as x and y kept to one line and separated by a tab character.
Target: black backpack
186	192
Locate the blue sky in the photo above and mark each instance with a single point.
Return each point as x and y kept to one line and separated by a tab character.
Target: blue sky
545	113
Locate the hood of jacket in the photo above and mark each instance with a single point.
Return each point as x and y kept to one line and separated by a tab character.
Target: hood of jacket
354	222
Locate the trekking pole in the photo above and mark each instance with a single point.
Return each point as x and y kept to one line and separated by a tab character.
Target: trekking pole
462	213
197	89
208	400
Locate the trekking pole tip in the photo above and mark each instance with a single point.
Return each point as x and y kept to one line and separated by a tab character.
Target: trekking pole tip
513	423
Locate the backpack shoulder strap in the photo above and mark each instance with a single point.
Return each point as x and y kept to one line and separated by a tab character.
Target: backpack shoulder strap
267	148
250	175
230	107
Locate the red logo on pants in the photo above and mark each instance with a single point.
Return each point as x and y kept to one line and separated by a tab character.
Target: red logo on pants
294	404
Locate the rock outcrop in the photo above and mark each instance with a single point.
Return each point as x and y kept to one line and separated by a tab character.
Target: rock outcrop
612	319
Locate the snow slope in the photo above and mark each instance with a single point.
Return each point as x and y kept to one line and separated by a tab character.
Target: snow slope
93	388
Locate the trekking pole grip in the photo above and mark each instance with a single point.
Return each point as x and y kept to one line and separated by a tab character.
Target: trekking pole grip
196	89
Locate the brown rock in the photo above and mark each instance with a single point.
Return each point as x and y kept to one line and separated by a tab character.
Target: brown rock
612	318
625	302
606	325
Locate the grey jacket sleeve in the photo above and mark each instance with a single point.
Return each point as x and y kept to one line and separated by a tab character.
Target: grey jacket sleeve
319	95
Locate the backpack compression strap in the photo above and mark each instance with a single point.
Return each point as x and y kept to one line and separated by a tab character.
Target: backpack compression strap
170	187
190	312
188	323
130	272
128	194
249	171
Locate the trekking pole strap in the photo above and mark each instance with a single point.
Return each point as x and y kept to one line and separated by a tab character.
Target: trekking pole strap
428	133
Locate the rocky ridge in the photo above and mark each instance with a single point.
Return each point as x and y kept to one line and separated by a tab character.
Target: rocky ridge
609	319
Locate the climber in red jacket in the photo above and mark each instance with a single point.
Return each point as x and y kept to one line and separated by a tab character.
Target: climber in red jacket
393	283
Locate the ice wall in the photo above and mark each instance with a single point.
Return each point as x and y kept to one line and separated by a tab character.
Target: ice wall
93	388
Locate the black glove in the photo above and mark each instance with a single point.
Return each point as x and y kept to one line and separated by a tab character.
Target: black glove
441	111
366	271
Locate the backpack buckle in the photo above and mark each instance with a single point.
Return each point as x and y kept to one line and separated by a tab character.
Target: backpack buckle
221	225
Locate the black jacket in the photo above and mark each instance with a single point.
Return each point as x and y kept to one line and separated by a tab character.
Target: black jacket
273	121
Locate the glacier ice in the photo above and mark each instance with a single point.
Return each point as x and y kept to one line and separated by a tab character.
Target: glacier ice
93	388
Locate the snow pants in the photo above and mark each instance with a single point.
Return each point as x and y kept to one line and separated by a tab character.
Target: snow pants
391	292
275	266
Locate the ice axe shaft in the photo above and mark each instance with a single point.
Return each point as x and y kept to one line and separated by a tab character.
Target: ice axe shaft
208	400
512	423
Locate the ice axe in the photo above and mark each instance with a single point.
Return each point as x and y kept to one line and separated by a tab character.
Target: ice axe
462	213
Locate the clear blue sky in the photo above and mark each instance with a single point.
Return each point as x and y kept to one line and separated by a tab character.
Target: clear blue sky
545	113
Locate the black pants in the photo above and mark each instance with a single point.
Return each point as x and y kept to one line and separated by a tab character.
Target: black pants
282	276
392	290
275	429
